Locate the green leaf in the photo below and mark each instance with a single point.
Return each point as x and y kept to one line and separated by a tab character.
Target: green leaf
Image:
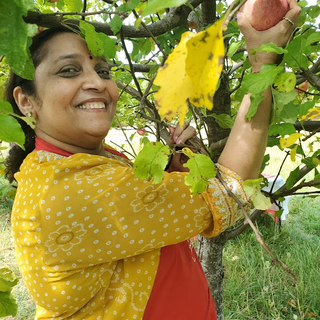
296	57
253	191
14	34
225	121
92	38
8	306
129	6
289	113
108	45
156	5
313	37
233	48
280	100
151	162
285	82
282	129
98	43
292	179
5	107
270	47
10	130
115	24
7	279
201	169
257	83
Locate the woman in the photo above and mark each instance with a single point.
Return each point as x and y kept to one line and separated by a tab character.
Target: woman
93	241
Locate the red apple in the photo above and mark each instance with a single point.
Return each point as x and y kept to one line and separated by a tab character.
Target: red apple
141	131
53	1
301	88
264	14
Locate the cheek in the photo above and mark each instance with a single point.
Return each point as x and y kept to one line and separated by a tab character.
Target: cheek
113	91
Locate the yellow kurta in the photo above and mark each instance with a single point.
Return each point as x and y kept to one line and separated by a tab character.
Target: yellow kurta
88	233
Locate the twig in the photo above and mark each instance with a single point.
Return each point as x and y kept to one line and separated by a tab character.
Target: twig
151	35
123	132
258	235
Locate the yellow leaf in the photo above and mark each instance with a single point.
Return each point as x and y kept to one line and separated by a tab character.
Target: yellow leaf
293	153
313	113
204	64
316	161
175	84
191	73
289	141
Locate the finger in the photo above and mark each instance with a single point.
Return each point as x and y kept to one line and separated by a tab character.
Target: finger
294	11
243	23
178	131
186	134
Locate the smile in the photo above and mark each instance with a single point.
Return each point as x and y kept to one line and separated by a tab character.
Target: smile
92	105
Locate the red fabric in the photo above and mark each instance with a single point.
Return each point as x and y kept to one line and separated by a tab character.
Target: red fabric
180	291
46	146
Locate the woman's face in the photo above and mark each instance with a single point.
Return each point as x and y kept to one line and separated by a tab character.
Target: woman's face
76	98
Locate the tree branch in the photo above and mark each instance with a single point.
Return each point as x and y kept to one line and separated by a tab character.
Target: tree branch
175	18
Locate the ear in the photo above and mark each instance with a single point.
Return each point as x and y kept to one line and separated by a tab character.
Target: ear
23	101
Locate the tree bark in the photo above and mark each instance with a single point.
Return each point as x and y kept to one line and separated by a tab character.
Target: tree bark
210	252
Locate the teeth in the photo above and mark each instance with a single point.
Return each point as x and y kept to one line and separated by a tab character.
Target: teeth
92	105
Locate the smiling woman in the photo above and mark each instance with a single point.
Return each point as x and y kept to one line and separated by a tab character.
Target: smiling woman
72	88
92	240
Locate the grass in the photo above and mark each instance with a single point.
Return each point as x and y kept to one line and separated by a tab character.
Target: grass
253	289
257	290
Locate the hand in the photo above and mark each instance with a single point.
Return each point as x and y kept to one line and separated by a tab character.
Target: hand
279	34
179	136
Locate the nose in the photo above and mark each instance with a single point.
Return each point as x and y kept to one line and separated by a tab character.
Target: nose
92	81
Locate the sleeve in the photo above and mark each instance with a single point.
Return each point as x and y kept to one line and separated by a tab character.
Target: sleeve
96	209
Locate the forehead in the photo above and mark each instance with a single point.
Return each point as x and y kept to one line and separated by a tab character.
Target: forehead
65	43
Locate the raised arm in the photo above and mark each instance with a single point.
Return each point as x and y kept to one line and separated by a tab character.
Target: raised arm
247	142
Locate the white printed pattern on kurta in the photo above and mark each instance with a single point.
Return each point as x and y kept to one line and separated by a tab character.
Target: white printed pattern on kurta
88	233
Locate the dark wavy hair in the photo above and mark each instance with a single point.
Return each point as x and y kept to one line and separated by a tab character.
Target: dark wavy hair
38	50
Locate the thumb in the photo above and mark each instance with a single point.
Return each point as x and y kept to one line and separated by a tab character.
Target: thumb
243	23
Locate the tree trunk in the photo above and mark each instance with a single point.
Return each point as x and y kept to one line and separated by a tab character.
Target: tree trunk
222	105
210	252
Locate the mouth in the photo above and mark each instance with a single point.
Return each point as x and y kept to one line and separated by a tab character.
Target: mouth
92	105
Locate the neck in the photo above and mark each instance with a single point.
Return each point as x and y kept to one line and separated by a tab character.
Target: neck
97	149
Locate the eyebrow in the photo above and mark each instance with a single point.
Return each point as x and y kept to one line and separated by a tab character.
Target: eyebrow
77	56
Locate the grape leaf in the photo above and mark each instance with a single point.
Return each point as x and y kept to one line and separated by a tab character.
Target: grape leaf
201	169
151	162
191	72
253	190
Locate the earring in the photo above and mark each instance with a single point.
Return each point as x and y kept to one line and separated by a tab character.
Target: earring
28	114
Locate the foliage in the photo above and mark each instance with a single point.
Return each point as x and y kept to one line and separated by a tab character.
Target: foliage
8	306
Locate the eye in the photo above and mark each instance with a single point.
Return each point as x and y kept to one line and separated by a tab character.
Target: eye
69	71
104	73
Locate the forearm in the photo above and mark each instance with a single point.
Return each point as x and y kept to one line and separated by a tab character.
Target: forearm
247	142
